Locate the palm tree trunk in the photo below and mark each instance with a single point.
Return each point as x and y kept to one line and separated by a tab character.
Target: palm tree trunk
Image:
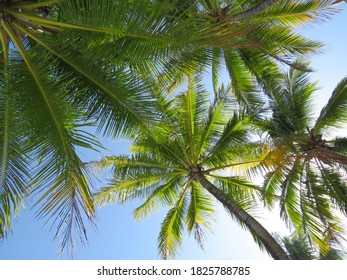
262	6
267	239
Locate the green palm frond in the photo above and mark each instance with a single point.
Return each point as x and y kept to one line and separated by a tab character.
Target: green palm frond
238	186
260	65
318	214
60	178
192	104
291	104
233	135
334	113
298	247
171	232
339	144
215	68
217	118
242	81
14	171
135	177
165	194
335	187
299	12
104	96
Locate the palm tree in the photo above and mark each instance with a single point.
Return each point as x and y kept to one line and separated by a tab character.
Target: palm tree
299	248
249	38
307	164
178	162
69	64
50	79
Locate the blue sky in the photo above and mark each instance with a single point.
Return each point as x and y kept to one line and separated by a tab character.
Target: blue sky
120	237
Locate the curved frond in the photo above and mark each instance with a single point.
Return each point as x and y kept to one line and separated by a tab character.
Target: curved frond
171	232
60	176
290	103
233	134
216	118
242	80
334	112
299	13
14	171
165	194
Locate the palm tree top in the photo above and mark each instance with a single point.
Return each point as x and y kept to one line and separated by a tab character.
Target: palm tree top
19	17
307	164
192	142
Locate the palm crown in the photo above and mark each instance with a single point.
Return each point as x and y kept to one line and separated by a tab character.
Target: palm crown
309	165
174	163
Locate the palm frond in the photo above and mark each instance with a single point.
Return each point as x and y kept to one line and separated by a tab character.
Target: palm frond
298	13
291	104
165	194
334	112
217	118
104	95
14	171
233	135
193	109
171	232
336	188
215	69
60	175
238	186
339	145
242	80
133	177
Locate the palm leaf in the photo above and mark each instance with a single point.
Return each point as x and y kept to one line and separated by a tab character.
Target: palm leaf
114	113
216	119
233	135
171	232
14	171
241	79
334	112
165	194
299	13
60	172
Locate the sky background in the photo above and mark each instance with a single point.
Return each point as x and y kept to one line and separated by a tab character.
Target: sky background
120	237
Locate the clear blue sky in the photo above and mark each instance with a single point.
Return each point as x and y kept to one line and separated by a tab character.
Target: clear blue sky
120	237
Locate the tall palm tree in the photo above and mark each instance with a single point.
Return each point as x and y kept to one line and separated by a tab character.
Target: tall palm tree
308	173
178	164
65	64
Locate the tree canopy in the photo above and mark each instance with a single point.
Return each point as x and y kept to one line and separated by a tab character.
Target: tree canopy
66	65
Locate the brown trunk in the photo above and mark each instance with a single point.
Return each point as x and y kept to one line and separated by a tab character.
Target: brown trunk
262	6
267	239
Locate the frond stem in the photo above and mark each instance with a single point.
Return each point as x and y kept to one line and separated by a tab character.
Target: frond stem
233	164
49	22
35	5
